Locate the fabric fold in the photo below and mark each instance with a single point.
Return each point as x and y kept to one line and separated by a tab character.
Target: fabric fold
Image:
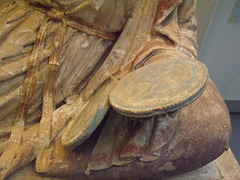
114	135
139	140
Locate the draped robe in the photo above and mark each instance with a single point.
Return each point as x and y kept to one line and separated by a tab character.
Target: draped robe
117	37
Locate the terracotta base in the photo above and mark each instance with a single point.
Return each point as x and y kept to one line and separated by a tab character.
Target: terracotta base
225	167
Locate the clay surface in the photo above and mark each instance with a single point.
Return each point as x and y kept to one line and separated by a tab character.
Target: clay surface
60	61
160	87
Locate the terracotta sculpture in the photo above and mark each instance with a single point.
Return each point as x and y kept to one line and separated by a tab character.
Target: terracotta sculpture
103	89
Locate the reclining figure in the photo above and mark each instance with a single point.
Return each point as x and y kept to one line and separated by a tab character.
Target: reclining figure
105	89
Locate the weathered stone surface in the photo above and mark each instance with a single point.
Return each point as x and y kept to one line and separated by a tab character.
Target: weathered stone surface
228	166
